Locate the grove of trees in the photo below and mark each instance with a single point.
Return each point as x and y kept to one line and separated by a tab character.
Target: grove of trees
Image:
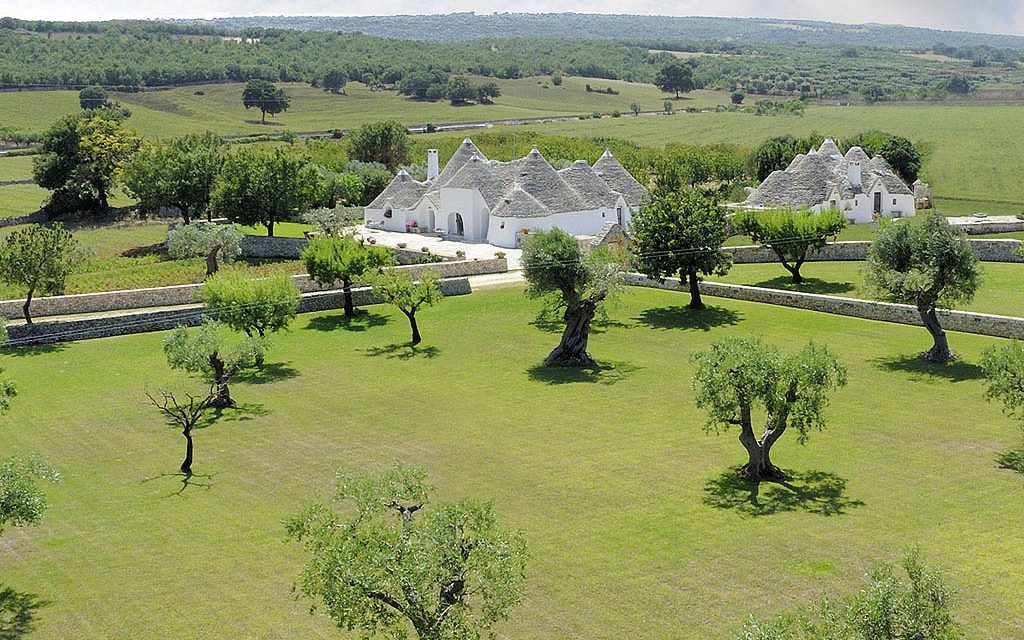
179	174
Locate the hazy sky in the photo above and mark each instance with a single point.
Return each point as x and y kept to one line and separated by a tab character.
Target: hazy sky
994	16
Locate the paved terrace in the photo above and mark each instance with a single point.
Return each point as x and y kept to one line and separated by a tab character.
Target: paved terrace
416	241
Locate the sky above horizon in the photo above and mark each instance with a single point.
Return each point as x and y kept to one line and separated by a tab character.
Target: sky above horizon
986	16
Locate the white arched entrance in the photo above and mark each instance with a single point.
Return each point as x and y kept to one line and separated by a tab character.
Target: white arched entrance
456	225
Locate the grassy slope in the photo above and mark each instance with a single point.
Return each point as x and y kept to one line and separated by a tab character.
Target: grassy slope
968	153
1000	292
606	475
15	168
178	111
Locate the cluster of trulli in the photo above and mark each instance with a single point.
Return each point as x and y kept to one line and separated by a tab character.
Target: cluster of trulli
476	199
862	188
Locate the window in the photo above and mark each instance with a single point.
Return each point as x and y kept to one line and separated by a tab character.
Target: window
387	212
894	202
618	214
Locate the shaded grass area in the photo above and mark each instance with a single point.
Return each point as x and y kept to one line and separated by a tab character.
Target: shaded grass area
616	486
1000	292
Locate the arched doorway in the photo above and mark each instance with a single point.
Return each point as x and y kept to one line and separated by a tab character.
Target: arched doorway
455	225
431	224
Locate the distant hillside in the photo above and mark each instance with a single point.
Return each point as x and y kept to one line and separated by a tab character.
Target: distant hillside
471	26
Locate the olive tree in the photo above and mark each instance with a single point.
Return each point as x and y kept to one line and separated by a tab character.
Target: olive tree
399	288
926	263
574	284
681	234
331	259
263	95
333	221
178	174
39	259
22	501
790	234
1004	369
737	376
214	242
254	306
206	351
389	562
184	414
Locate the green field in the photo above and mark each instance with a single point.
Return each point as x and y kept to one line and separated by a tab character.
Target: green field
15	168
179	111
608	473
1001	292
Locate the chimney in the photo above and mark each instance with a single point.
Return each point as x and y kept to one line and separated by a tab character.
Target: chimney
432	166
853	172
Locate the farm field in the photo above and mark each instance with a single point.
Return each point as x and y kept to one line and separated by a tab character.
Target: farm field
178	111
649	508
1000	292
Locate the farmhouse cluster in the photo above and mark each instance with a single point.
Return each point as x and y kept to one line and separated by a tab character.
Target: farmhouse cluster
863	188
477	199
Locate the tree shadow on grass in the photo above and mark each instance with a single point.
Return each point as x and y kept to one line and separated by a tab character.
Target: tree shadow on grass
240	412
269	372
361	322
677	317
557	325
18	613
403	351
918	367
601	373
809	285
34	350
1012	460
197	480
818	492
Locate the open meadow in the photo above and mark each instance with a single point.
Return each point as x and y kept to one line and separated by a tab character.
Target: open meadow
635	522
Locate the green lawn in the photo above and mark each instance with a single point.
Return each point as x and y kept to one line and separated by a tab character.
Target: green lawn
1001	291
178	111
634	531
967	155
21	199
15	168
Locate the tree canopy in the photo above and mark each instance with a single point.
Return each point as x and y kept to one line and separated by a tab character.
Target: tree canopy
93	97
398	288
927	263
38	259
737	375
254	306
386	142
1004	371
331	259
675	77
22	501
790	234
681	234
389	561
263	95
179	174
205	240
207	352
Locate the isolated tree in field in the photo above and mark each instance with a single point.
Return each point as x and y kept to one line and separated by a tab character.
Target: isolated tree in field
1004	369
22	501
460	90
179	174
334	81
38	259
205	351
399	288
214	242
737	97
331	259
574	284
184	414
928	264
253	306
386	142
681	234
635	108
93	97
81	155
388	562
487	92
264	96
738	376
263	187
790	234
675	77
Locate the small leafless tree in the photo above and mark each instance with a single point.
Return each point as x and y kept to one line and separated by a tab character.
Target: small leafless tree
184	414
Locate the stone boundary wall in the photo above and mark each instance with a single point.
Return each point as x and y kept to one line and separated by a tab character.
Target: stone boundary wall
968	322
192	315
32	218
186	294
987	250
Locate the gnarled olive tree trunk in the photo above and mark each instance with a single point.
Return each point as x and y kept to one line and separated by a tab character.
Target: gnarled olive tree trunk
220	380
186	465
572	350
940	350
759	462
346	288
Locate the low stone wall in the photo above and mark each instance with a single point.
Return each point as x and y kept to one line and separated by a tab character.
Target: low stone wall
965	321
972	225
186	294
987	250
33	218
192	315
266	248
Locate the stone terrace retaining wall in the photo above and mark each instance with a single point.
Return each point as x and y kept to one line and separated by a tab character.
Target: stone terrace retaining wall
965	321
987	250
192	315
186	294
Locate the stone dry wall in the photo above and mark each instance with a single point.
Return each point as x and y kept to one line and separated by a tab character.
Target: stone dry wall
186	294
191	315
965	321
987	250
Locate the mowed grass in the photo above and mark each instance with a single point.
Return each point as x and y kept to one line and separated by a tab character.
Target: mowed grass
1001	291
15	168
179	111
968	154
21	199
608	473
